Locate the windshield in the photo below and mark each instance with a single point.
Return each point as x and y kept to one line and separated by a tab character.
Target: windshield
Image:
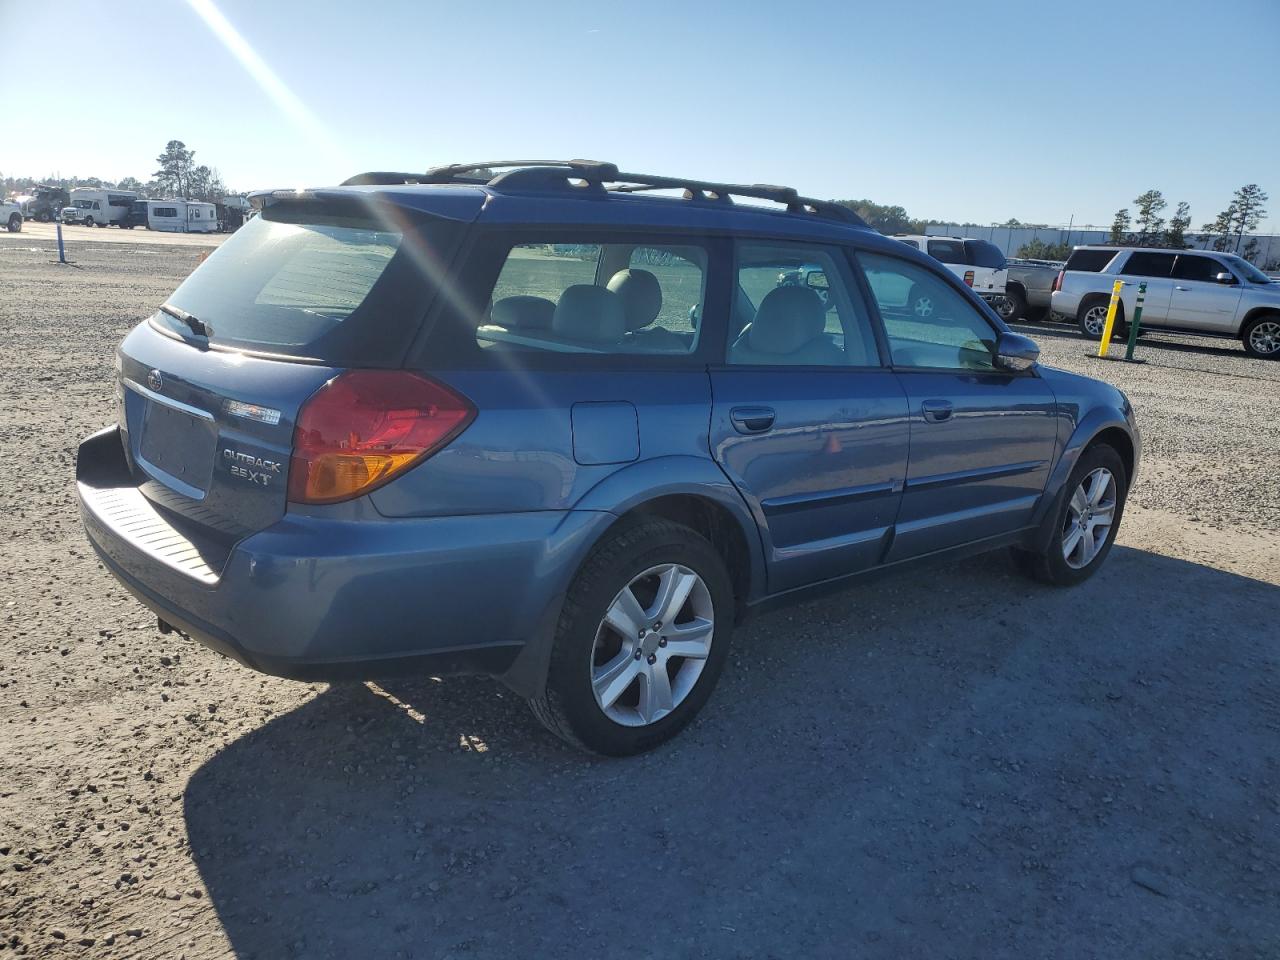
307	282
1246	269
84	204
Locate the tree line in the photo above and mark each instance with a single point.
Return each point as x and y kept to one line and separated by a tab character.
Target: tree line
179	177
1226	232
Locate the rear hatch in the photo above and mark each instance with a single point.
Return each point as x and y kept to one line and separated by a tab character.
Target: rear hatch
212	384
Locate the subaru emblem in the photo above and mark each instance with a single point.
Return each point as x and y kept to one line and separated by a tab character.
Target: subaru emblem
155	381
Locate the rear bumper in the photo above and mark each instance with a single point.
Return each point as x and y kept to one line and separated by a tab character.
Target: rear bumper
314	598
1065	302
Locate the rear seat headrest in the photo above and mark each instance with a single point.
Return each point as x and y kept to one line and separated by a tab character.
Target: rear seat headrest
641	296
523	313
589	313
787	319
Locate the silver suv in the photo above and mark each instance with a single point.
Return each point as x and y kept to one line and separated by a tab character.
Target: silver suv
1197	291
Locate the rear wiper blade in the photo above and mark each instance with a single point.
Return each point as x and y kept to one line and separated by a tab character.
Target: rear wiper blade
198	326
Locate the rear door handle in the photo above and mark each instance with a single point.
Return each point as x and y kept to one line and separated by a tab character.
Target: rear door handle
752	419
1181	288
936	411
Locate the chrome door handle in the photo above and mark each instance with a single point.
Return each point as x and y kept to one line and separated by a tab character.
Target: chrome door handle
1181	288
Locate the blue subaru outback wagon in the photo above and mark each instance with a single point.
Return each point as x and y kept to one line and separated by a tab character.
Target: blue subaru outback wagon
566	425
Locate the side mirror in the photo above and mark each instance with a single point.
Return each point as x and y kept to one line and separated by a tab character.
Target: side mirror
1225	277
1015	353
817	280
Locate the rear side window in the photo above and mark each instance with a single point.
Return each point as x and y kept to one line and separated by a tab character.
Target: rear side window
303	281
1148	265
596	298
984	254
948	251
1089	261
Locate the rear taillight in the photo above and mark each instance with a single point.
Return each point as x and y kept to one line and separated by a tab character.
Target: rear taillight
968	278
365	427
1057	281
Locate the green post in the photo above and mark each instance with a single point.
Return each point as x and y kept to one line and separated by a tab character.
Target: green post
1133	324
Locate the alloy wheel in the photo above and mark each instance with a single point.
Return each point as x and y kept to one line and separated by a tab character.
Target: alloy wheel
652	645
923	307
1095	320
1091	512
1265	337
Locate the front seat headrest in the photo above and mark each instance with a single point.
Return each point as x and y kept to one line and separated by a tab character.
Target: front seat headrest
523	313
641	296
787	319
589	313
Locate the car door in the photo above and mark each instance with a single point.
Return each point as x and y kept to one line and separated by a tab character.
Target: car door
1155	269
1199	301
807	421
982	439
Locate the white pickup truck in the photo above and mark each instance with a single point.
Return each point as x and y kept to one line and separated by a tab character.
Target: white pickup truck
978	263
11	215
1194	291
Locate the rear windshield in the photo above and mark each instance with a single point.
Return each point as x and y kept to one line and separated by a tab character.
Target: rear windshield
1089	261
313	284
984	254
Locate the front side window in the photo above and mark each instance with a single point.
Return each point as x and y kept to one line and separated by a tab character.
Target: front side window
929	323
792	306
1191	266
1148	265
166	211
601	298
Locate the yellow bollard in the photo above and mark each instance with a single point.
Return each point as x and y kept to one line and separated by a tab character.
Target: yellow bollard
1111	318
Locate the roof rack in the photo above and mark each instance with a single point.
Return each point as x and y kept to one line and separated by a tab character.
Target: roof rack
600	178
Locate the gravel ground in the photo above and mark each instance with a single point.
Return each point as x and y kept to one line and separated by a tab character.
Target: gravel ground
954	763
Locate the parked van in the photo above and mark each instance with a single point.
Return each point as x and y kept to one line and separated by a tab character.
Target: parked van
182	216
99	207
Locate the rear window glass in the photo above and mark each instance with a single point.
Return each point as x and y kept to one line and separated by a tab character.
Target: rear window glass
596	298
948	251
1090	261
327	287
984	254
1148	265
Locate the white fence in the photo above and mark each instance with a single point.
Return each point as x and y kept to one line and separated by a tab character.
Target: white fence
1011	239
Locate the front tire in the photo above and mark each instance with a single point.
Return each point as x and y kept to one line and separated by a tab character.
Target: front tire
641	640
1261	337
1084	524
15	223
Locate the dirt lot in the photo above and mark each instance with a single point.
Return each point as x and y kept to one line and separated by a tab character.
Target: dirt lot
958	763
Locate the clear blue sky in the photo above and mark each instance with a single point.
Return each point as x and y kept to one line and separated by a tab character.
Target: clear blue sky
970	111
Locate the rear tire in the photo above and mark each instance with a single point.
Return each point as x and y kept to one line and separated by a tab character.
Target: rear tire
615	684
1092	318
1077	544
1013	306
15	223
1261	337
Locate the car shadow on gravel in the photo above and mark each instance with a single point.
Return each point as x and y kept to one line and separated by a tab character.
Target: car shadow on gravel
954	763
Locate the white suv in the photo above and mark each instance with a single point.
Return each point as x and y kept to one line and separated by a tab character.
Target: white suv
978	263
1197	291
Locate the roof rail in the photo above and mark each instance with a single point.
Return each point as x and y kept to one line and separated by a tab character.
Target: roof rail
599	178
